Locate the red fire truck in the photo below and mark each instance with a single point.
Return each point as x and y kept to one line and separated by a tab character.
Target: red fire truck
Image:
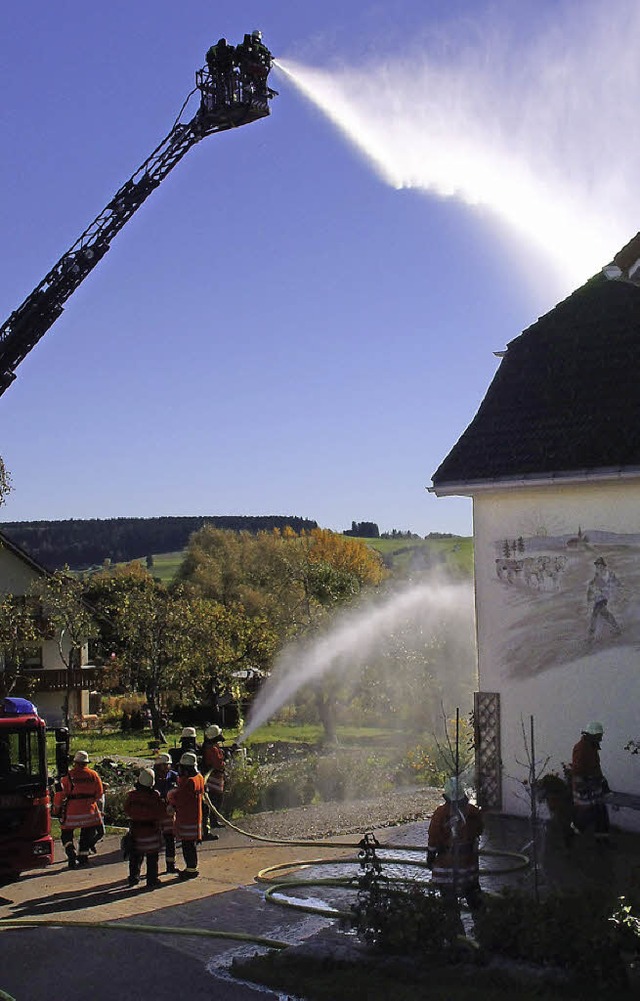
25	815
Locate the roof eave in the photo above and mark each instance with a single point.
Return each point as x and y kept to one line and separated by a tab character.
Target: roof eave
468	488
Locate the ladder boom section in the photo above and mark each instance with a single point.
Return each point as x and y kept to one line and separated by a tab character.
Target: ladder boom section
220	109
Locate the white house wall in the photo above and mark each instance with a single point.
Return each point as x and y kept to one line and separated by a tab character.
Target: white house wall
16	576
547	642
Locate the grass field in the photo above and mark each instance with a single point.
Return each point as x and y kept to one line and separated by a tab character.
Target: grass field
105	744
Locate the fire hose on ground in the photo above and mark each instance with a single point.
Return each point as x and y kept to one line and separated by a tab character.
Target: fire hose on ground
516	862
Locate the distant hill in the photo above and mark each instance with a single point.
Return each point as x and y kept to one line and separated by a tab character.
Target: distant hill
81	543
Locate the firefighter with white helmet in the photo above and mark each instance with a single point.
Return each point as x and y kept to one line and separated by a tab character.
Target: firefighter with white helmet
588	785
213	769
452	848
166	779
186	802
188	742
254	61
145	809
82	792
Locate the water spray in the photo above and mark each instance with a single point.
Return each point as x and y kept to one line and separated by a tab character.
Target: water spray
357	634
540	132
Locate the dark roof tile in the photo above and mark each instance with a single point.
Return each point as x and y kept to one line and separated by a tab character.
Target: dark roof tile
566	396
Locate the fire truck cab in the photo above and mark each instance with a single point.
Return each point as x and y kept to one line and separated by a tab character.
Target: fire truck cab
25	815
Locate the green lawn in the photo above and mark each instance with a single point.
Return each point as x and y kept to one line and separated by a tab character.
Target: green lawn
166	565
311	733
138	745
454	554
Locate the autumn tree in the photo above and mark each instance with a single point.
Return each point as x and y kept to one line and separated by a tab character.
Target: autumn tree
66	612
5	481
19	640
146	626
225	641
294	582
290	578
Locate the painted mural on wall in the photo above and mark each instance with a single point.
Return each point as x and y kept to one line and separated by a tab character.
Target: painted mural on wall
566	596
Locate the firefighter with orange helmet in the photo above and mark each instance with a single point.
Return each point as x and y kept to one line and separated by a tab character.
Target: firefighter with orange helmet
83	795
186	802
452	849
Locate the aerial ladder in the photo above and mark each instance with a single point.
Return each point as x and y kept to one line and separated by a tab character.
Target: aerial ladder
232	93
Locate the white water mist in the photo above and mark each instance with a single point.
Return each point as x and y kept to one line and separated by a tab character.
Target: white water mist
542	132
356	635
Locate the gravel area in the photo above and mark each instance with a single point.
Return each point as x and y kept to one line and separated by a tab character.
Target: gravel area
322	820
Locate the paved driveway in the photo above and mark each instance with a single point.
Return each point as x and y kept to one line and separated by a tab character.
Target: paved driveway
89	964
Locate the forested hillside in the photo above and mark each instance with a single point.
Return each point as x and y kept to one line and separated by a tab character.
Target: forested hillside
82	543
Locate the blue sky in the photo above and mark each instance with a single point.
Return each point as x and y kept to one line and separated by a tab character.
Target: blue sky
279	329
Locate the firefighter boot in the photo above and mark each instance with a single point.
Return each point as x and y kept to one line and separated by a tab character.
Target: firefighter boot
171	865
72	859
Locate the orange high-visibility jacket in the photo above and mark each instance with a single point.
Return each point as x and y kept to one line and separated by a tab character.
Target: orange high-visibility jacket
457	857
186	798
82	788
213	764
146	810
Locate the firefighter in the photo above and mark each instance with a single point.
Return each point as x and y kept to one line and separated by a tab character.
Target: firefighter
83	795
146	811
452	849
165	780
186	802
188	742
589	786
213	763
254	62
221	60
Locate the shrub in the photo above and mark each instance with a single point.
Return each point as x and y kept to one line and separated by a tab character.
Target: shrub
573	931
244	789
420	764
412	921
118	779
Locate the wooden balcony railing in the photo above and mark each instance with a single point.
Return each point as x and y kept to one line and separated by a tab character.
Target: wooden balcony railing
59	681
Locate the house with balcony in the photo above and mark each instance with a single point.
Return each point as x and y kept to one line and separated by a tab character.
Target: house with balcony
552	464
44	677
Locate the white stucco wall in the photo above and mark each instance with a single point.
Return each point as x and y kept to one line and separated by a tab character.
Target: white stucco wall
16	577
533	619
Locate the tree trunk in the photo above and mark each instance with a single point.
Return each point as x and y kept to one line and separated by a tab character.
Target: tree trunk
156	716
326	712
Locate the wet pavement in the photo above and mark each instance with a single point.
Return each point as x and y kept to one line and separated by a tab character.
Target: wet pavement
96	963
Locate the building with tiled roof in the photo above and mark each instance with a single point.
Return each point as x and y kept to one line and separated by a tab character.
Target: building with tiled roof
552	464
